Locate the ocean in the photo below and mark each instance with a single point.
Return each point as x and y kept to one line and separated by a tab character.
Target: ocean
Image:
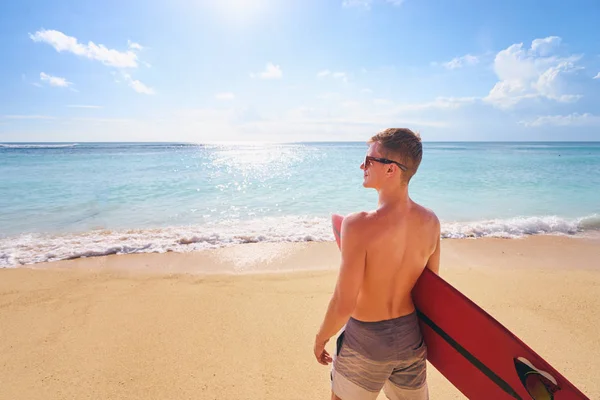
68	200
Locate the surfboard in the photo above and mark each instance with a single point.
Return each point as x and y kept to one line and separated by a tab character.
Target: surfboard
476	353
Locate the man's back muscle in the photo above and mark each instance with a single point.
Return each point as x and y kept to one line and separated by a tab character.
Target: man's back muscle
399	243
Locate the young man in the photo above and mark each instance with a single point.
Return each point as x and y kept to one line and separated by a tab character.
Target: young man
383	254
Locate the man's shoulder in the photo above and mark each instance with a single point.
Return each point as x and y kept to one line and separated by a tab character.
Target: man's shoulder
356	221
427	215
356	218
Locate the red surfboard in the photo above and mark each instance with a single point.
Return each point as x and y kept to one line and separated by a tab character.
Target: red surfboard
478	355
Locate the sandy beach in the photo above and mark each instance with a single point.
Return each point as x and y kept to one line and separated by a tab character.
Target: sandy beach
206	325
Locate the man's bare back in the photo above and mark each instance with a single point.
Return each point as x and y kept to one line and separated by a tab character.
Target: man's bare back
399	243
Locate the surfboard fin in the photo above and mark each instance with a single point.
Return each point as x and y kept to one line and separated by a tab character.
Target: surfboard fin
539	384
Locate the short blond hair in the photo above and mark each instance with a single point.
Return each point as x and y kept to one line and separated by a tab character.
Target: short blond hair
402	145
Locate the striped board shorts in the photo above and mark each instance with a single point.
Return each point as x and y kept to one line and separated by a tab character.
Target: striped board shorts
389	355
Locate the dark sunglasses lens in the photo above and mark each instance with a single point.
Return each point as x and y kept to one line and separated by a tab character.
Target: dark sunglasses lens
536	388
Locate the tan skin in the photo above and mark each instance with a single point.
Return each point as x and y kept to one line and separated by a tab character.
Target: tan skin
383	254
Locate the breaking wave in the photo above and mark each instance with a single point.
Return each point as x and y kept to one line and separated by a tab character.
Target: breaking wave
519	227
35	248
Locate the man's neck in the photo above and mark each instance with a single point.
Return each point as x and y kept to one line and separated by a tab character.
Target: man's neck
393	197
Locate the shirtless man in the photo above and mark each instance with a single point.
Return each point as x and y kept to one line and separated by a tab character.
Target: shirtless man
383	254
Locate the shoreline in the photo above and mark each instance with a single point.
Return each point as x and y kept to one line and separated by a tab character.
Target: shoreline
284	257
277	246
31	248
156	326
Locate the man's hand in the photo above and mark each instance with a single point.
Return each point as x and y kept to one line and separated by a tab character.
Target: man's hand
321	354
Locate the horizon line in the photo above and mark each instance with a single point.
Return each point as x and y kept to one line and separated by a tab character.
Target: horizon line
309	141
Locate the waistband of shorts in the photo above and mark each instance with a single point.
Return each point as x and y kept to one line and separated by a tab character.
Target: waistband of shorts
408	319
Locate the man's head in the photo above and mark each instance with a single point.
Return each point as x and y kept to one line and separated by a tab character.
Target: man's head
393	157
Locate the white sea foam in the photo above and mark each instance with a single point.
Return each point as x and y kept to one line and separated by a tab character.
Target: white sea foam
518	227
35	248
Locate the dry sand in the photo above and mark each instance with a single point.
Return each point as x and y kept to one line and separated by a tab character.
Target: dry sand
166	326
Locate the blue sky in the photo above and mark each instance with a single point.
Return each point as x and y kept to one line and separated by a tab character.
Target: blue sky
276	70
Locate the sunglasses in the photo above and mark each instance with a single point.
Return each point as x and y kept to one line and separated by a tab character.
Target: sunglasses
369	161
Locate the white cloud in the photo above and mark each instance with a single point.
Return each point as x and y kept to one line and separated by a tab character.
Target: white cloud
28	117
329	122
309	120
271	71
382	112
328	96
225	96
532	73
342	121
546	46
55	80
366	4
137	85
463	61
574	119
597	76
443	103
340	75
140	87
101	120
110	57
134	45
357	3
82	106
382	102
335	75
376	114
366	90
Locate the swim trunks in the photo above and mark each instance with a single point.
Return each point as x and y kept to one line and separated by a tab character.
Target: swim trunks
389	355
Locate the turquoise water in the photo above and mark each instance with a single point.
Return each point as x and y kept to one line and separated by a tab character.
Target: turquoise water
79	199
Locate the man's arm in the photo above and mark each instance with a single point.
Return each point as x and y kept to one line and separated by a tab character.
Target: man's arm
434	260
350	278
